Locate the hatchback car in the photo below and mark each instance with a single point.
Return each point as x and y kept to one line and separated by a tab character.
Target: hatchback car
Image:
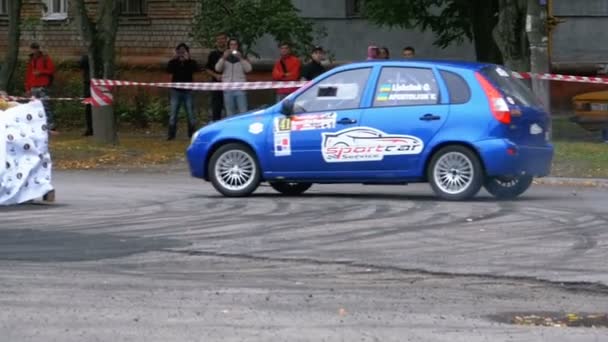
459	126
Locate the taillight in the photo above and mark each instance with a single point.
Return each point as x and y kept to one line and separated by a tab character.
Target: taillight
498	105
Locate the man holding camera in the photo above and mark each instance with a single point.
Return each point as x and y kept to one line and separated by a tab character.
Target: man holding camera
182	69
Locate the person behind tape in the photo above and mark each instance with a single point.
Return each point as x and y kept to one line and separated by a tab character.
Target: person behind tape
286	68
217	97
315	68
182	69
39	75
233	66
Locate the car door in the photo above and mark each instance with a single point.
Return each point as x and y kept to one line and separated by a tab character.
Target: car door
330	105
405	114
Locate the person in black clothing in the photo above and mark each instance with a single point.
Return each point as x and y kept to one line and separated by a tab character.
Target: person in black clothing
314	68
182	68
217	97
86	83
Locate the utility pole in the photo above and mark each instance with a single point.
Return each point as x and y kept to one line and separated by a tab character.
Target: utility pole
536	29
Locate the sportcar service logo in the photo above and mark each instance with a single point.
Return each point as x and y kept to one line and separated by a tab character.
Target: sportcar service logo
366	144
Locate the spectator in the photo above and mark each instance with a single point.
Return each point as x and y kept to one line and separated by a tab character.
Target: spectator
314	68
605	134
182	69
372	52
409	52
287	68
384	53
233	66
217	97
86	83
39	77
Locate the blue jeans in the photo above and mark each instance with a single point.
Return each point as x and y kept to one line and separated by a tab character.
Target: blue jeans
605	134
42	93
179	98
235	102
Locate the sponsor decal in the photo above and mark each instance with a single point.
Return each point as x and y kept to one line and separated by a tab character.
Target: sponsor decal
305	122
282	144
502	72
256	128
363	144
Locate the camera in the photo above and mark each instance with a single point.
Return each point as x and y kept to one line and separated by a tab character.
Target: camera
234	52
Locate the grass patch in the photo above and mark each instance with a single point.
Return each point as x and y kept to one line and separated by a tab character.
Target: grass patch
580	159
71	151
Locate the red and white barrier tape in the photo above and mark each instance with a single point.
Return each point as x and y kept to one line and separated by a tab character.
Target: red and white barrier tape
204	85
563	78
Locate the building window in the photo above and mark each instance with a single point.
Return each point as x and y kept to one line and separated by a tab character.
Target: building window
55	9
354	8
3	7
133	7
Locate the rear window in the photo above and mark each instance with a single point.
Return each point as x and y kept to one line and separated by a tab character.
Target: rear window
457	87
515	89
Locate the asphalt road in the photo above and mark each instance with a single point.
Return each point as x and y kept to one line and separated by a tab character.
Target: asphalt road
158	256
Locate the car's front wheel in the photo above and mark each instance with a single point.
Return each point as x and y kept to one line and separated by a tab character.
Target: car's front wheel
290	188
234	171
507	187
455	173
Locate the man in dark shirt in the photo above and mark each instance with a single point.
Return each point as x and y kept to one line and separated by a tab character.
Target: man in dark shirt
217	97
314	68
86	82
182	69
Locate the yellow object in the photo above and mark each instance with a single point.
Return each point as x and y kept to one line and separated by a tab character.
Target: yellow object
591	110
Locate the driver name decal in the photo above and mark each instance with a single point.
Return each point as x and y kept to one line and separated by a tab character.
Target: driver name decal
366	144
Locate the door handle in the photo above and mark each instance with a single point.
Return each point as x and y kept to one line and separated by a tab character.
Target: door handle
430	117
347	121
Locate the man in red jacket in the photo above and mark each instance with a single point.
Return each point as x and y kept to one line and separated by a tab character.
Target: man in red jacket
287	68
39	78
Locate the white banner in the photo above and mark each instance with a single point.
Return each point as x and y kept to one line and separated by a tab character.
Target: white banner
25	162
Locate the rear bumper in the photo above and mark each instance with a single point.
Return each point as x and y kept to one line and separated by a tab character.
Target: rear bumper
504	158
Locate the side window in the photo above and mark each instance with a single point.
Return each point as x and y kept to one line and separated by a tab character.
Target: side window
457	87
406	87
339	91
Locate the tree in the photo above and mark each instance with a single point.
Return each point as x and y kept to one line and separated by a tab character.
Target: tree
453	21
12	54
250	20
99	36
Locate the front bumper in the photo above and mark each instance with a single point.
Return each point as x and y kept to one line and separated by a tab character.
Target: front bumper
196	156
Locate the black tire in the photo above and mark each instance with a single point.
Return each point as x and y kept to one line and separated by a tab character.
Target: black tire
507	187
221	185
290	188
473	183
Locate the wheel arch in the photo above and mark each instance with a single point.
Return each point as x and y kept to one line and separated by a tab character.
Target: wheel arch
441	145
216	145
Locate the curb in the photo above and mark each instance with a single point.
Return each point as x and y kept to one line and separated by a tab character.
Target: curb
584	182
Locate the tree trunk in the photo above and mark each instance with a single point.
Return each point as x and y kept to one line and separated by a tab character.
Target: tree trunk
539	56
510	34
12	54
100	37
484	15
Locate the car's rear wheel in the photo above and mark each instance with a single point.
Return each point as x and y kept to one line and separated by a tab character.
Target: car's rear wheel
455	173
507	187
234	171
290	188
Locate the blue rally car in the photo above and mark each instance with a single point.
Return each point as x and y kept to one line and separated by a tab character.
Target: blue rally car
456	125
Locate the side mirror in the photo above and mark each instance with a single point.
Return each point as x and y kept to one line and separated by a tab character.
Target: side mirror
287	107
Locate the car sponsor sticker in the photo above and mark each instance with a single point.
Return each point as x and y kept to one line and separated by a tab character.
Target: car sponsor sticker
256	128
502	72
363	144
305	122
282	144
